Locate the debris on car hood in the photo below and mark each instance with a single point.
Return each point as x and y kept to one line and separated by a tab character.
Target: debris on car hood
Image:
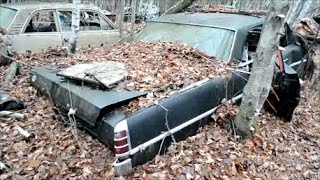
161	68
212	9
107	73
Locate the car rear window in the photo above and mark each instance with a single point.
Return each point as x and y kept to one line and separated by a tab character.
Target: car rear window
6	16
216	42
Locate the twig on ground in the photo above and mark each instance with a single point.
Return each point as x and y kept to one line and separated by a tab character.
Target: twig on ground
25	133
168	128
2	166
16	115
72	119
167	123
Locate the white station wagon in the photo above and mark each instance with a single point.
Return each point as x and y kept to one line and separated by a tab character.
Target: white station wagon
38	25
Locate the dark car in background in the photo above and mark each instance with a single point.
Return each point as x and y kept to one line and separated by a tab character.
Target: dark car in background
136	138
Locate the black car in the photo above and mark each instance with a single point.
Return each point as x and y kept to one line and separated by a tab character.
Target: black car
136	138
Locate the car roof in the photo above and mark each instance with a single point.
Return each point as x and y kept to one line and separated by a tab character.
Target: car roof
222	20
33	5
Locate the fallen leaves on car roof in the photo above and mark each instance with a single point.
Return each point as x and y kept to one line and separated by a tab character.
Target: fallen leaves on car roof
223	9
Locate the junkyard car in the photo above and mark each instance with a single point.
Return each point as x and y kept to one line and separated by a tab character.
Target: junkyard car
137	137
33	26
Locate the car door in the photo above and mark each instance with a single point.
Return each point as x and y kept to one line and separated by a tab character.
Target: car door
95	29
39	32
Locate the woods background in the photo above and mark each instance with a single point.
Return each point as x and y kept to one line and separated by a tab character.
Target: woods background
163	5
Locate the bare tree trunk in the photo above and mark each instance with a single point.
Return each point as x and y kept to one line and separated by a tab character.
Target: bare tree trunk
306	10
257	89
133	16
316	82
180	6
121	16
299	10
315	85
75	26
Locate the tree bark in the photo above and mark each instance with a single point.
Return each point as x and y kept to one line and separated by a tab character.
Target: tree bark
179	7
257	89
12	72
306	6
316	82
294	12
121	17
315	85
133	16
74	26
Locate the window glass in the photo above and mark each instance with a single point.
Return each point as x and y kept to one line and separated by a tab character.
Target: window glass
213	41
6	16
65	19
104	24
89	21
42	21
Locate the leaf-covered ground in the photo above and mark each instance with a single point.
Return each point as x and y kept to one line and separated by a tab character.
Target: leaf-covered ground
279	150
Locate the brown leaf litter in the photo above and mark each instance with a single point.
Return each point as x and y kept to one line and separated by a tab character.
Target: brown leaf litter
54	152
278	151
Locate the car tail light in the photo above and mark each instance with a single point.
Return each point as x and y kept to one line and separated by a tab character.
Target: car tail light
121	139
121	150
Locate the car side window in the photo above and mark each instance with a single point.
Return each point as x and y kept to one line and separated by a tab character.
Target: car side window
253	38
65	19
104	24
42	21
89	21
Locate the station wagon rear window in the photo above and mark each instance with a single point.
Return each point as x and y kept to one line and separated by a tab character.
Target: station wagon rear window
6	16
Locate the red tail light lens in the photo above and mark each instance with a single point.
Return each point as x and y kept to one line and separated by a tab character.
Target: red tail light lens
122	142
121	150
121	145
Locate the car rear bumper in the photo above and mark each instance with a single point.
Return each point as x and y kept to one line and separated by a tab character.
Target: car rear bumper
122	168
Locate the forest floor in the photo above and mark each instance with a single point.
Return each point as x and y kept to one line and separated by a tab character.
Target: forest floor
279	150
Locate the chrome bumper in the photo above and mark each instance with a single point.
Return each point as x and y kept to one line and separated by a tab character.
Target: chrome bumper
122	168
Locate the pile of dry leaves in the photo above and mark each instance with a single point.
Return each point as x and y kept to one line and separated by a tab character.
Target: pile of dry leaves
158	68
54	152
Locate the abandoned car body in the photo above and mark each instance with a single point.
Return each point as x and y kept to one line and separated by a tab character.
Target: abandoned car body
138	137
44	25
